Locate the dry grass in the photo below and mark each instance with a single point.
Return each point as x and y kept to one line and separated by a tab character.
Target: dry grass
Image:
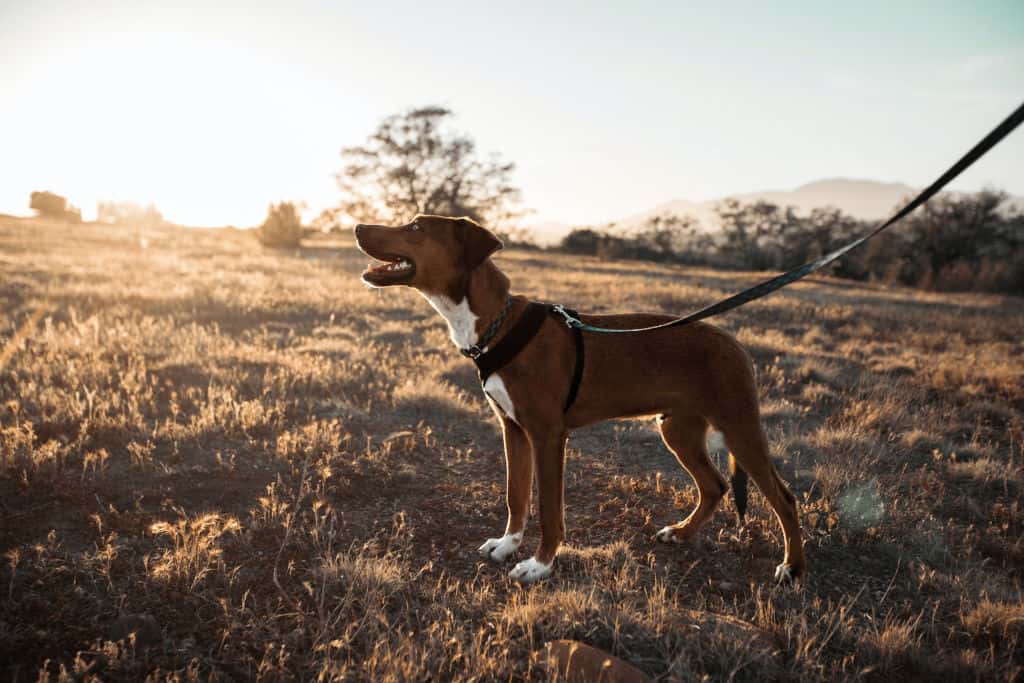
258	469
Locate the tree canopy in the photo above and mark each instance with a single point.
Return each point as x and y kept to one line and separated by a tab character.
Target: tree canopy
415	163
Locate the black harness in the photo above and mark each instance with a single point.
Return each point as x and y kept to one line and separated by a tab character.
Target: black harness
490	360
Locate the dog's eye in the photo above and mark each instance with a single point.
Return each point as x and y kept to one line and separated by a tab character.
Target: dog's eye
414	226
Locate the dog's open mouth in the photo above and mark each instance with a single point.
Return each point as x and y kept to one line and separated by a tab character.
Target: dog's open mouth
393	270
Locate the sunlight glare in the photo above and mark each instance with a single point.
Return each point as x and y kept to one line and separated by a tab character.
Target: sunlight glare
168	120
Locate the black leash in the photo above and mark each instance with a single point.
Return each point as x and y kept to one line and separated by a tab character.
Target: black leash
780	281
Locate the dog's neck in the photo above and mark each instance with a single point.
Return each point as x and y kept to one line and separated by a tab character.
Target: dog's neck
482	301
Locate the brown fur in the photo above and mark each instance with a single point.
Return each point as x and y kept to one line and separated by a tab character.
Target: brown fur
695	376
575	662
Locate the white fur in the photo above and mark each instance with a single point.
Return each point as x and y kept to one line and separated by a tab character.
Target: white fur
461	320
530	570
499	549
716	442
667	535
495	390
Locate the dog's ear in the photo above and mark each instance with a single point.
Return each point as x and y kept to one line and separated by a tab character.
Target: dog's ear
477	242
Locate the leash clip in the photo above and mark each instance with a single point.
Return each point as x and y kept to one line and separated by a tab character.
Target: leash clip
569	320
473	352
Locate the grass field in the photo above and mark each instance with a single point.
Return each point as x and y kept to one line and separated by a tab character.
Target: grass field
243	464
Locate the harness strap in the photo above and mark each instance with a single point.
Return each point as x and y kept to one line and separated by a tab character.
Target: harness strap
577	371
516	339
509	346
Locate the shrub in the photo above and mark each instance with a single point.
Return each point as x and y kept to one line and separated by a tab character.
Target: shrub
53	205
282	228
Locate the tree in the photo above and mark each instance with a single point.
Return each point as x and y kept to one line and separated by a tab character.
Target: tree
282	228
753	233
951	228
822	231
413	163
53	205
581	241
954	240
670	238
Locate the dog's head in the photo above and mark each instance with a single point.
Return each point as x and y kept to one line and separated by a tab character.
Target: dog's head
432	253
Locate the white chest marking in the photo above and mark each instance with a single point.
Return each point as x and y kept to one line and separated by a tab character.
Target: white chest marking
461	320
496	392
462	329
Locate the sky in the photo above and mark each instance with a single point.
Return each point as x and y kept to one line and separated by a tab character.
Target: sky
214	110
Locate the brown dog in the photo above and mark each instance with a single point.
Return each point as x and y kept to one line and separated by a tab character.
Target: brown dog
692	377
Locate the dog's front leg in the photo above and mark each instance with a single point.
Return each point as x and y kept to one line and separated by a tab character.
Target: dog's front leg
549	460
519	481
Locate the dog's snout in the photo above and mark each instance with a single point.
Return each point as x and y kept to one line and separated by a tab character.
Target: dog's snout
358	229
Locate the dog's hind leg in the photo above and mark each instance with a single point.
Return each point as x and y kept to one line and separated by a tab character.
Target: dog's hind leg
519	482
747	443
686	437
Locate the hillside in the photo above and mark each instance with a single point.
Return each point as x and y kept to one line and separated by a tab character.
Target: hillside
265	470
864	199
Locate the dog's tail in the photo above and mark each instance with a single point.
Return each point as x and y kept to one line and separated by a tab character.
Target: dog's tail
738	482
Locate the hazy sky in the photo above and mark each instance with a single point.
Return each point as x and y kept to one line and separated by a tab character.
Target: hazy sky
213	110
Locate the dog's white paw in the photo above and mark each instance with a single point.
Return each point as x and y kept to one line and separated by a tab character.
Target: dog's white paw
530	570
784	573
667	535
499	549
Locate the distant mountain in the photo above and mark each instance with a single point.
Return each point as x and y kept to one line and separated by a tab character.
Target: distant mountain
865	199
